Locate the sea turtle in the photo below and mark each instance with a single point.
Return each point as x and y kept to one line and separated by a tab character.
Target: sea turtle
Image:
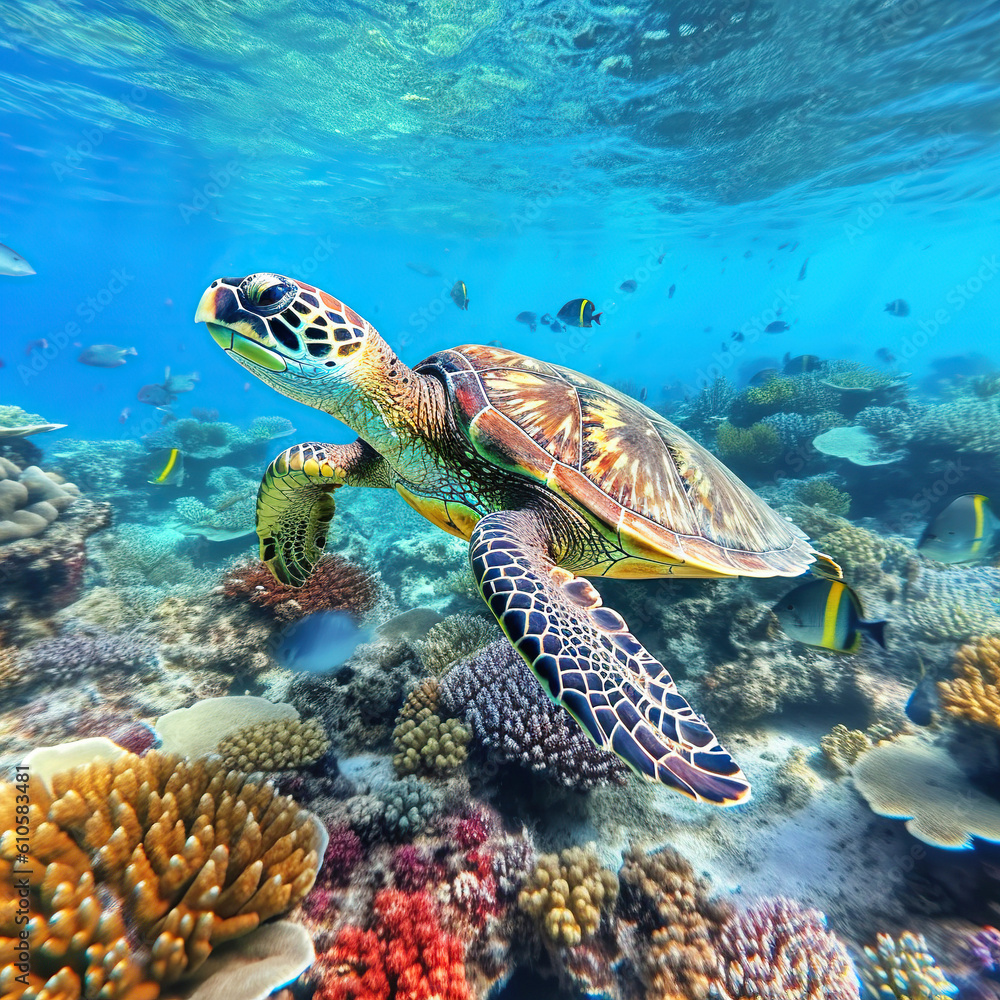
550	475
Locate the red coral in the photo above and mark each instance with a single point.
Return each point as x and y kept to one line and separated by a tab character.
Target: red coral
405	956
335	585
470	832
413	869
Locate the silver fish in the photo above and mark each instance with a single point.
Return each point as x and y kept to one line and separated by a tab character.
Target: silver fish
13	264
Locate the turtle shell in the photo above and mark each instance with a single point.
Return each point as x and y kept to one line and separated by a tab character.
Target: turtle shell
667	505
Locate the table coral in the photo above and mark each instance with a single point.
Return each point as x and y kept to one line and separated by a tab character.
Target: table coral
275	746
974	694
777	950
404	955
427	743
567	894
904	970
183	854
335	585
667	923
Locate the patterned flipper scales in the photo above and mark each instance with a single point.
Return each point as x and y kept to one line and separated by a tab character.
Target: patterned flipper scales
588	662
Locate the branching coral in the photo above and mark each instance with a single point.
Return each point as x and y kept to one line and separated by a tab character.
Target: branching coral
507	712
454	638
667	923
822	493
777	950
567	894
275	746
756	446
965	425
904	970
974	694
185	855
335	585
773	395
954	605
68	658
427	744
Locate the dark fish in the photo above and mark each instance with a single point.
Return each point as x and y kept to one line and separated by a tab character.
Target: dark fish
526	317
41	344
425	269
737	336
670	291
628	286
897	307
723	347
557	327
783	245
459	295
778	326
155	395
884	354
763	376
923	700
643	394
320	642
659	260
801	364
802	270
105	355
165	468
547	319
794	246
579	312
965	531
827	614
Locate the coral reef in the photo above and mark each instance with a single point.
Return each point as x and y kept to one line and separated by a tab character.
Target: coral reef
904	970
962	426
856	445
567	894
776	950
773	395
822	493
905	779
335	585
215	440
954	605
30	500
852	376
667	924
274	746
426	743
504	707
454	638
757	446
843	746
67	659
146	865
974	694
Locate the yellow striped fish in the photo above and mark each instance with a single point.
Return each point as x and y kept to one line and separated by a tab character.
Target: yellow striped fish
165	468
965	531
827	614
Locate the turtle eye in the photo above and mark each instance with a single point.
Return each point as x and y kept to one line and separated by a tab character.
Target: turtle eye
268	293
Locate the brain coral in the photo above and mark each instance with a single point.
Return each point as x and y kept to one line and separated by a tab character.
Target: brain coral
184	854
30	500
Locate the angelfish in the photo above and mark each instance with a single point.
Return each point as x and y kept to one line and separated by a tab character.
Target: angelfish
965	531
165	468
460	295
827	614
579	312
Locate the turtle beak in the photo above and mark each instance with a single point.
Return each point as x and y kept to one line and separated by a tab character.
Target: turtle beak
231	328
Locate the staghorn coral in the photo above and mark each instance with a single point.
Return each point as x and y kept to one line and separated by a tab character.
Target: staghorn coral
335	585
757	446
843	746
776	950
667	923
974	694
183	854
822	493
455	638
274	746
904	970
495	693
427	744
567	894
712	403
797	429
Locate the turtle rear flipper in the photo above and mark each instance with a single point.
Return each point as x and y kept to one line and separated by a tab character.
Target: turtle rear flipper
588	662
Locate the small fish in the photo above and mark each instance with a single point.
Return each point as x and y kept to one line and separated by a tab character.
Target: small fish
168	302
897	307
3	364
737	336
783	245
165	468
162	394
965	531
547	319
13	264
459	295
747	254
425	269
643	394
923	700
827	614
180	383
778	326
659	260
321	642
105	355
794	247
884	354
556	326
36	345
802	270
723	347
670	291
124	415
528	318
154	395
800	364
494	343
579	312
763	376
628	286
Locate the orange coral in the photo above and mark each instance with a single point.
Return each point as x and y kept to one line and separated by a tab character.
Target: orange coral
974	695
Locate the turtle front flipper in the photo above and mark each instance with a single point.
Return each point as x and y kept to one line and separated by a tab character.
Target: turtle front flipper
295	502
588	662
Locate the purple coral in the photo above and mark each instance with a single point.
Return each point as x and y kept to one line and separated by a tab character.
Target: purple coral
343	853
984	949
65	658
498	697
777	950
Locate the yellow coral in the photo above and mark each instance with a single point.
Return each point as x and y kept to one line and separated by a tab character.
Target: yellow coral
974	695
566	894
773	394
758	444
275	745
185	854
843	746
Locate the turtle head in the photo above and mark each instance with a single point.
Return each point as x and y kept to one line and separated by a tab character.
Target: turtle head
296	338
